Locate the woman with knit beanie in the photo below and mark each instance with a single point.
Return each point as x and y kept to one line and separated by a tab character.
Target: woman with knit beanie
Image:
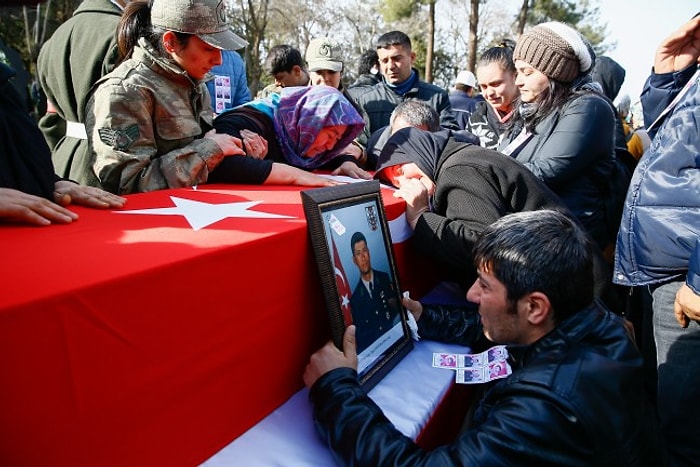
563	131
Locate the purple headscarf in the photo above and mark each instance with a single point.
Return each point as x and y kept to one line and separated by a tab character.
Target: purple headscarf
303	112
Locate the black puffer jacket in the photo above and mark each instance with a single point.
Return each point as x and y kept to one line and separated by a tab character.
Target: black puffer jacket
573	399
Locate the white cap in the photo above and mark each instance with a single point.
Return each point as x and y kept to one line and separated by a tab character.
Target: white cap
467	78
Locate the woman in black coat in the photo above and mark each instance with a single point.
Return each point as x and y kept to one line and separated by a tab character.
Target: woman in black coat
564	130
454	190
467	186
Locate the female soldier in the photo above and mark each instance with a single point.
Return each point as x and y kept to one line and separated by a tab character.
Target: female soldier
150	120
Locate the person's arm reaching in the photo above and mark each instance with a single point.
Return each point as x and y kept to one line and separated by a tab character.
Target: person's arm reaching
675	63
283	174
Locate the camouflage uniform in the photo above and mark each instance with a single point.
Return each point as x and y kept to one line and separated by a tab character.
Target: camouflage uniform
145	123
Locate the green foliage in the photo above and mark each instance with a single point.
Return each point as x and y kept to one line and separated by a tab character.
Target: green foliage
580	14
394	10
14	31
355	23
444	68
557	10
419	47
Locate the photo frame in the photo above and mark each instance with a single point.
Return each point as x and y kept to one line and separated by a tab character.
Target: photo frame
353	250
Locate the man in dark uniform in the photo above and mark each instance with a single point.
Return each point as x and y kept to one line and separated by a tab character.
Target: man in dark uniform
374	302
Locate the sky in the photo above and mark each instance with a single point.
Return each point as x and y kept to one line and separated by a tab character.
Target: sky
638	27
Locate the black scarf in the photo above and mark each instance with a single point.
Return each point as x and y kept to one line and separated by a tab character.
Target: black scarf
421	147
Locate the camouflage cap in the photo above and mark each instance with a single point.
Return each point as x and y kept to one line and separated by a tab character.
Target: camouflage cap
204	18
324	54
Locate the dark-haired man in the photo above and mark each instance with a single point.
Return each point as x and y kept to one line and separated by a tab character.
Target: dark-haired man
573	396
287	67
368	69
400	82
374	302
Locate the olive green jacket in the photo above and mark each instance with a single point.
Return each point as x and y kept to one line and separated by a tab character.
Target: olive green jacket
82	50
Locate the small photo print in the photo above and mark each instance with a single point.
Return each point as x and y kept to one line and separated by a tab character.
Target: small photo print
444	360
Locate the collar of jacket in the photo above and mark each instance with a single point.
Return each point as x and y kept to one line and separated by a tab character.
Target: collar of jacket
98	6
410	85
145	53
572	329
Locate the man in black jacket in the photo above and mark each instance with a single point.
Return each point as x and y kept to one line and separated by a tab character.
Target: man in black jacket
400	82
573	396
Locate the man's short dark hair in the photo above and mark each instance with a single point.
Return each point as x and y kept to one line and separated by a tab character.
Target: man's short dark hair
368	59
282	58
357	237
540	251
393	38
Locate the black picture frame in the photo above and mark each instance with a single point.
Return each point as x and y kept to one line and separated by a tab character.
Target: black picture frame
334	215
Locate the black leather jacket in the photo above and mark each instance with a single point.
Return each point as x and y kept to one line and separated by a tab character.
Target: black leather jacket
574	399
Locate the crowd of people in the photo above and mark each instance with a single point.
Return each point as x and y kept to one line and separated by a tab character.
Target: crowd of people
514	181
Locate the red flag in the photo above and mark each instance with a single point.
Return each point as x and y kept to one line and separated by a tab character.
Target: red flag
341	283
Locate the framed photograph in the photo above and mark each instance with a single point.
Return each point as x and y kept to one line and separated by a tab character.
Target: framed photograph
352	244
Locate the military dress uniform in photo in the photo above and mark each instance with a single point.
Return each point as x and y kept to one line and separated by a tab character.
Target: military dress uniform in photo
374	313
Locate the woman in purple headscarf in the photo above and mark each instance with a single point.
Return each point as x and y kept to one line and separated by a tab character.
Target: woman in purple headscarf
288	135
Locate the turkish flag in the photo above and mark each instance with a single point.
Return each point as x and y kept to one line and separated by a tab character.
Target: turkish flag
341	283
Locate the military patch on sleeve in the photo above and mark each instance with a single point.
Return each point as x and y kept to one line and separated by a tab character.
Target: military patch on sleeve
119	139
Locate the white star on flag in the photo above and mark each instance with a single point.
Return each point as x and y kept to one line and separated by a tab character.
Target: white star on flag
200	214
344	300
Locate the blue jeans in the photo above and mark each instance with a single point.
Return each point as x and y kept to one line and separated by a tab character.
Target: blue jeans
678	360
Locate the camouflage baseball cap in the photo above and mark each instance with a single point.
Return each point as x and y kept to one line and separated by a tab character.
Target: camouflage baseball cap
204	18
324	54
